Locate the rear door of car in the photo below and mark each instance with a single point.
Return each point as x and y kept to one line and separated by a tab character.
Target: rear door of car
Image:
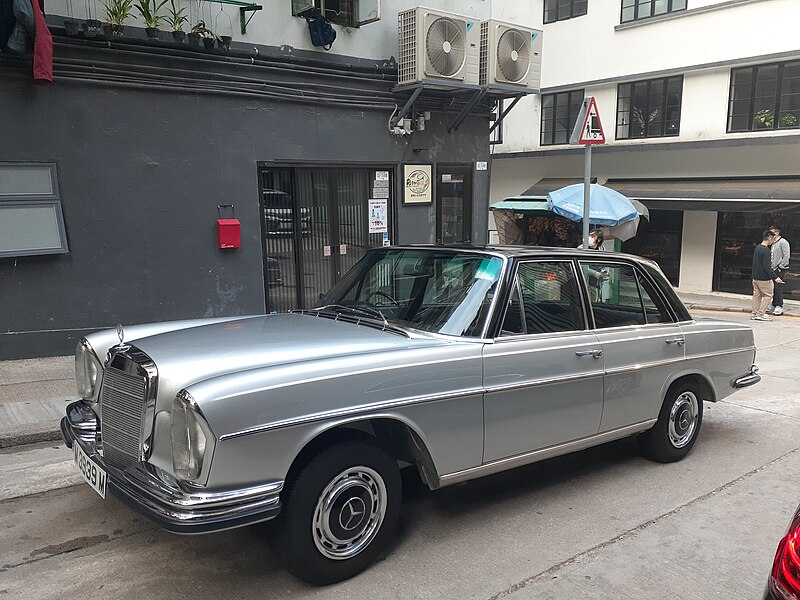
642	345
543	373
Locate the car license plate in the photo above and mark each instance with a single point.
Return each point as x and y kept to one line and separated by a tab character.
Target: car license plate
94	475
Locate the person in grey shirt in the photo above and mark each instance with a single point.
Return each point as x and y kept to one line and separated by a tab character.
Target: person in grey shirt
779	259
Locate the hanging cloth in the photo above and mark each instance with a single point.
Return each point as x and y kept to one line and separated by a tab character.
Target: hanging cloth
7	21
42	46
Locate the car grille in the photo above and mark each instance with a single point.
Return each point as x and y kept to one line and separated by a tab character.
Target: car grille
122	400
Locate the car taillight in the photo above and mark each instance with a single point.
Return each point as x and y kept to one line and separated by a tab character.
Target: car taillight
785	579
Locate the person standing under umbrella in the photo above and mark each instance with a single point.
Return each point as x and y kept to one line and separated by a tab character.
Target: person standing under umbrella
595	240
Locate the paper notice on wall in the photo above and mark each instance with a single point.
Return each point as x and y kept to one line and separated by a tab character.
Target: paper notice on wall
380	192
378	215
381	175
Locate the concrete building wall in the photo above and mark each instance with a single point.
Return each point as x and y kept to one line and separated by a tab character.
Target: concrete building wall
141	172
275	25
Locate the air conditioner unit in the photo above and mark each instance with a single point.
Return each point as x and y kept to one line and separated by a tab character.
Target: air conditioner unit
436	45
510	56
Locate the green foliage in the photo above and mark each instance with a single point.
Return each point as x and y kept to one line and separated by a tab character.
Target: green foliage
764	119
175	17
201	28
788	121
149	9
118	10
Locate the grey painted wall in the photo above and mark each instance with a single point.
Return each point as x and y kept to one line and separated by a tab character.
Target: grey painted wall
141	173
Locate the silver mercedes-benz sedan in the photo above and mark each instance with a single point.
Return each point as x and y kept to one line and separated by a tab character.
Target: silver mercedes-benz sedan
458	362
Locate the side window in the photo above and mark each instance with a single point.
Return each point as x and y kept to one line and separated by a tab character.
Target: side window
614	294
548	300
654	307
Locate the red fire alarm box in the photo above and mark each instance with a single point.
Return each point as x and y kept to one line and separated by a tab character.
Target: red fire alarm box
228	230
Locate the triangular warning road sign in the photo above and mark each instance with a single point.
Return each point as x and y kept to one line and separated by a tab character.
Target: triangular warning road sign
591	130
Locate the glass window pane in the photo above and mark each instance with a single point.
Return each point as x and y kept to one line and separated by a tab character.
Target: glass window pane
614	294
368	11
654	308
550	297
29	228
644	9
628	14
513	323
579	8
660	7
26	180
678	4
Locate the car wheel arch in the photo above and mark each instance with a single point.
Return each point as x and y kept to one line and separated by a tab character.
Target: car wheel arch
399	438
701	380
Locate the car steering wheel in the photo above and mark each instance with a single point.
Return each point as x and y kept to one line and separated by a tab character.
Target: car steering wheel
383	295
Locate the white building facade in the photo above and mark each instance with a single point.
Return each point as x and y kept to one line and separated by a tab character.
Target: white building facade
700	104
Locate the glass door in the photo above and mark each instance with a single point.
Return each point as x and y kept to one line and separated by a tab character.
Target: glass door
315	228
454	205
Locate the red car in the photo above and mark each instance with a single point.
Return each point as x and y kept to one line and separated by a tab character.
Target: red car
784	581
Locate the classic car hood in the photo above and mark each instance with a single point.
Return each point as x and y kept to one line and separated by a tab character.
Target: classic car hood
190	355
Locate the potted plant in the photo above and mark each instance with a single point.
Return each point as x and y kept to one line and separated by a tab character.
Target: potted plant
175	19
205	33
763	119
116	13
93	28
149	10
788	121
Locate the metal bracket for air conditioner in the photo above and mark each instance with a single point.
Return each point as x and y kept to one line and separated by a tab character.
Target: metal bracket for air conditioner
476	97
244	8
505	112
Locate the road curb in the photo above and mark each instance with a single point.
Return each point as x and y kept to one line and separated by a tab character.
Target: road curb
47	433
734	309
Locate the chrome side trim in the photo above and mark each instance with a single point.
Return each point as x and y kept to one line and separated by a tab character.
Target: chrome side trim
648	365
544	453
720	353
350	412
544	381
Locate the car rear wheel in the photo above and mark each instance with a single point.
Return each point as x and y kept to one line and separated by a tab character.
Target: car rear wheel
678	424
339	512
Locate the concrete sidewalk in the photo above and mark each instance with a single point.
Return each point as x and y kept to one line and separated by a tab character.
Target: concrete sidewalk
34	392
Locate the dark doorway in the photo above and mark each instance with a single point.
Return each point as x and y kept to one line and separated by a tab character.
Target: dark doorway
315	227
454	205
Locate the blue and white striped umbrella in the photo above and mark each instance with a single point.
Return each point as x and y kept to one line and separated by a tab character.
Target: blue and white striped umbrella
606	206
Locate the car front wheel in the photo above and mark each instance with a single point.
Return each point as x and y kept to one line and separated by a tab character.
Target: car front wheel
678	424
339	512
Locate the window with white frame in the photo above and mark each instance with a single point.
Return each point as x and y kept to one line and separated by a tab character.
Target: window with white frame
31	221
635	10
350	13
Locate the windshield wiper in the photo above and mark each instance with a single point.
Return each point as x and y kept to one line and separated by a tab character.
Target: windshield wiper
364	310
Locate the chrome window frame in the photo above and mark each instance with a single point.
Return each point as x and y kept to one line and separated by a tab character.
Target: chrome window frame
587	324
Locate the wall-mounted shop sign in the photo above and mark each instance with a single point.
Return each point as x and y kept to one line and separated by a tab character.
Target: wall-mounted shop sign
417	184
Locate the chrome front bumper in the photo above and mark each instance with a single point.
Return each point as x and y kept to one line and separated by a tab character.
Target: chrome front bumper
172	507
746	380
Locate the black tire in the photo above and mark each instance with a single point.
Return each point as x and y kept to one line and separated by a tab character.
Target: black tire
673	436
371	479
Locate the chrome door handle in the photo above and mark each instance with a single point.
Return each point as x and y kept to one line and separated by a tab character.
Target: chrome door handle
592	353
679	341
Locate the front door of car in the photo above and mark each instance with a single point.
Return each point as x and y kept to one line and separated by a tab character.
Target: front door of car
544	373
641	344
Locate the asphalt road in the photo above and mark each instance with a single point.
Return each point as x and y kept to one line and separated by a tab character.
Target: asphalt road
603	523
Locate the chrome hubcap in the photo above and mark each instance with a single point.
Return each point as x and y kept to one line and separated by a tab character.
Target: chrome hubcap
349	513
683	419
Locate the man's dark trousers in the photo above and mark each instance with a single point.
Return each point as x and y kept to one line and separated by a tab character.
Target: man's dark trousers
777	297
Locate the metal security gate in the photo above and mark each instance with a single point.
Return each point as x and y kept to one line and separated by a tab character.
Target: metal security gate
315	226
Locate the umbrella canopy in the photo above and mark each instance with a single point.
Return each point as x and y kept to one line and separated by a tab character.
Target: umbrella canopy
625	231
606	206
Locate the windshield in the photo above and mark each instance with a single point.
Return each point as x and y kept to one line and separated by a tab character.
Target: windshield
440	291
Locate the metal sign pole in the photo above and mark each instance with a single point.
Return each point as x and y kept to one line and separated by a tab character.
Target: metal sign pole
587	189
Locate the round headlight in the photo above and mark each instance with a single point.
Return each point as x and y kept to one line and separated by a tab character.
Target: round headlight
87	371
